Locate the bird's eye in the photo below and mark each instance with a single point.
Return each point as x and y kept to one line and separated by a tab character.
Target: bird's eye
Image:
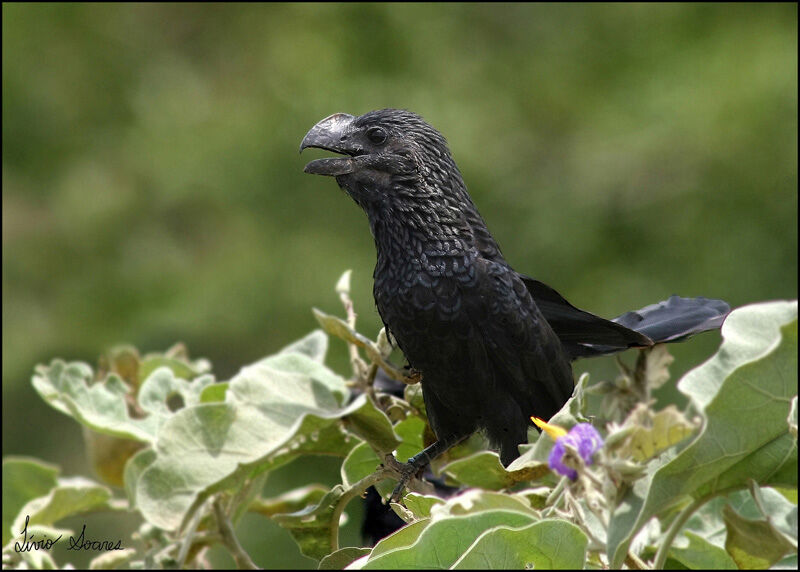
376	135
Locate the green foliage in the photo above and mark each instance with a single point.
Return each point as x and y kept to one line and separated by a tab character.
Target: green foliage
23	481
705	474
548	544
152	190
744	393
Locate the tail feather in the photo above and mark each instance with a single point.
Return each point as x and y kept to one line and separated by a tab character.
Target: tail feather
586	335
676	319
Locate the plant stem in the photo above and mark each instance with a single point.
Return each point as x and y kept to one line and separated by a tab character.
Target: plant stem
229	539
635	562
369	385
355	359
356	490
555	495
674	529
189	537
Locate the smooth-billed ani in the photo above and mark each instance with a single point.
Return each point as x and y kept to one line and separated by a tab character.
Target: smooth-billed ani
493	346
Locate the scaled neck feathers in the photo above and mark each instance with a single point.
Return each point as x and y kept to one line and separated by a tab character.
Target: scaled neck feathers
429	208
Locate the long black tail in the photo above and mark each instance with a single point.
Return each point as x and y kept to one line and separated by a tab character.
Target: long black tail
585	335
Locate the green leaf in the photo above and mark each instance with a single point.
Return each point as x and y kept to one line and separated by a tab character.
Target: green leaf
413	396
786	563
179	368
298	363
108	455
744	393
100	406
343	284
484	470
657	364
275	410
780	512
536	497
123	360
314	346
401	538
370	423
707	523
133	470
411	431
178	360
469	502
24	479
653	433
112	560
337	327
549	544
214	393
217	446
158	390
476	500
290	501
754	544
340	559
420	505
444	540
383	344
104	406
312	526
359	463
788	494
700	554
363	461
72	495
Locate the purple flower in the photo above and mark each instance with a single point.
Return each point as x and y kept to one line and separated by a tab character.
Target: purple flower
582	437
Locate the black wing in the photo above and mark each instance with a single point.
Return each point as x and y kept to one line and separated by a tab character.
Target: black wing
586	335
582	333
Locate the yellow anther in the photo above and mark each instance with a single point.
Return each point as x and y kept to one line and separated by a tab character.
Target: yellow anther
553	430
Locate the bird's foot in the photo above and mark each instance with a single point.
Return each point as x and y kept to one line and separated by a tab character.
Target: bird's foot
405	472
411	375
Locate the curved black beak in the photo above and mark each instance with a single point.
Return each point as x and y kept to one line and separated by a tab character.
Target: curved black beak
332	134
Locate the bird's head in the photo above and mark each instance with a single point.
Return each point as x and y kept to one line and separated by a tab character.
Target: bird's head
387	154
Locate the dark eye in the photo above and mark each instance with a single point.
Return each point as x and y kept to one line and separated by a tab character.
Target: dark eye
377	135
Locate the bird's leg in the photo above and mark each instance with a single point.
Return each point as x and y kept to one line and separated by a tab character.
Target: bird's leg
421	460
411	375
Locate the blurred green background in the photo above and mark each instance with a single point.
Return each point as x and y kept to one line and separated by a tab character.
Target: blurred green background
152	190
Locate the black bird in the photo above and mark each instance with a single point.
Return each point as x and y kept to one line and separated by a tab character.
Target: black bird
493	346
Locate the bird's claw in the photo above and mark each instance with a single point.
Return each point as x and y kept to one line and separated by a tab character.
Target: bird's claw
405	472
411	375
408	473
